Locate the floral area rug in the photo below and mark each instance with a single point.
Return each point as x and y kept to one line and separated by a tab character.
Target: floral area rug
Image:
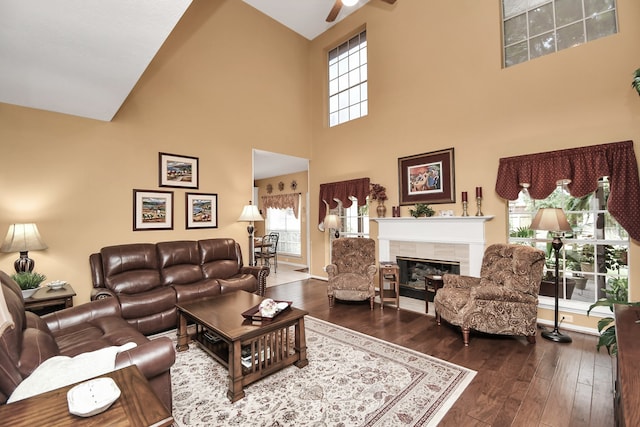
352	379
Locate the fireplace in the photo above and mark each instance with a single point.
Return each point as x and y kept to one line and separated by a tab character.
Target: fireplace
414	270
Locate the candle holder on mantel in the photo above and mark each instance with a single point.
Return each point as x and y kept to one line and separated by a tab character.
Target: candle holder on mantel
479	203
465	205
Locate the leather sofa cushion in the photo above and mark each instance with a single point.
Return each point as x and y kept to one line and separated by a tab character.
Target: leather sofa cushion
37	346
147	303
220	258
130	268
179	262
202	289
246	282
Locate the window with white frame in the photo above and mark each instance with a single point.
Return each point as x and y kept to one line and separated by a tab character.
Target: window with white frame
285	223
348	80
593	259
533	28
354	219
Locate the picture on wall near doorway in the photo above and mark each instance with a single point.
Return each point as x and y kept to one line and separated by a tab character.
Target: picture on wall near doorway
202	210
178	171
427	178
152	210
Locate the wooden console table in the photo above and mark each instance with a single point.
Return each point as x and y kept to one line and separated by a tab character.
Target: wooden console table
137	406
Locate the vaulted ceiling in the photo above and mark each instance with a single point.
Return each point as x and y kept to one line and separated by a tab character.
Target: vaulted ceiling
83	57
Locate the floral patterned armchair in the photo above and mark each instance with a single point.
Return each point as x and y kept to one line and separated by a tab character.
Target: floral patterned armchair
352	270
504	300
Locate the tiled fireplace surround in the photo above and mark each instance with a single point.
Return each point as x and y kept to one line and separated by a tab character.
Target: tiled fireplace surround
460	239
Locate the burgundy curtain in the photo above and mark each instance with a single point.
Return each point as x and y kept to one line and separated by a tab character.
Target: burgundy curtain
282	201
342	190
583	166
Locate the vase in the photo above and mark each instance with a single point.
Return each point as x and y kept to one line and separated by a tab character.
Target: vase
27	293
381	210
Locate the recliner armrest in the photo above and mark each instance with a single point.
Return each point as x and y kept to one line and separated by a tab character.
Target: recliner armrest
100	293
152	358
501	294
260	273
82	313
458	281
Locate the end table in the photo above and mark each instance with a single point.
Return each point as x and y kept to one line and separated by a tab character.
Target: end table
431	285
390	272
47	300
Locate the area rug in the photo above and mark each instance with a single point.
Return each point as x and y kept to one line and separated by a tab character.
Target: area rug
352	379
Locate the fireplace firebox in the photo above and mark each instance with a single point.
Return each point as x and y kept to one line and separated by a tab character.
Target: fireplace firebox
414	270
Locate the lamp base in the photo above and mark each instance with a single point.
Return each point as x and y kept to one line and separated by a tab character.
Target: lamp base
24	264
556	336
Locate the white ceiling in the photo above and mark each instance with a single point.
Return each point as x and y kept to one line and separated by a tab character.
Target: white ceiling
267	164
83	57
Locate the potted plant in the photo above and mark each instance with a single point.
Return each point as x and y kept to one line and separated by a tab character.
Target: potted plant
421	209
29	282
635	83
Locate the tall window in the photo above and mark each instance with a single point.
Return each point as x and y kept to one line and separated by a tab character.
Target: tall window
348	80
285	223
593	259
533	28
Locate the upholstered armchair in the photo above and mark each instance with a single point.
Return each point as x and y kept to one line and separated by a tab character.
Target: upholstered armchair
352	270
503	300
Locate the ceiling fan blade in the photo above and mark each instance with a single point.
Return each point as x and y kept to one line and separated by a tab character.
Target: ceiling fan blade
334	11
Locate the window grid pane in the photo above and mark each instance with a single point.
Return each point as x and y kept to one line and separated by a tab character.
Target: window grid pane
533	28
347	75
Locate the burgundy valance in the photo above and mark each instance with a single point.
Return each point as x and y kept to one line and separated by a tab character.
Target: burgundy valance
342	190
583	166
282	201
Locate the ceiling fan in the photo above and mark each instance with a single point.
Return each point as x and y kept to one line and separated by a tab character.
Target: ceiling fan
337	6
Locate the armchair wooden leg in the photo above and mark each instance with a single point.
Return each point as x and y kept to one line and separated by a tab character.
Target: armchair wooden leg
371	302
465	336
331	300
438	318
531	339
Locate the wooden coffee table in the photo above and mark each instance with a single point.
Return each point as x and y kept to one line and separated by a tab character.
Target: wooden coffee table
249	351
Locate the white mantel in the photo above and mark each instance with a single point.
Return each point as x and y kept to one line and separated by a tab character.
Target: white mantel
446	238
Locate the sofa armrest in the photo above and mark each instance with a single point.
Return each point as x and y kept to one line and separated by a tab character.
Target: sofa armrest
458	281
152	358
100	293
501	294
82	313
260	273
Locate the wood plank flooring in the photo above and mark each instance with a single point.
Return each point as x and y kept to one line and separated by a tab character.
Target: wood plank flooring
546	384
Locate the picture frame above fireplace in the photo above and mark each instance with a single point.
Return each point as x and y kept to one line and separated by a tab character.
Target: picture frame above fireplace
427	178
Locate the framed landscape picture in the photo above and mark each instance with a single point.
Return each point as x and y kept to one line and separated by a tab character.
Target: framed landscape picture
427	178
152	210
202	210
178	171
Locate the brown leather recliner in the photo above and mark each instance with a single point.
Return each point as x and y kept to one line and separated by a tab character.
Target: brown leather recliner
80	329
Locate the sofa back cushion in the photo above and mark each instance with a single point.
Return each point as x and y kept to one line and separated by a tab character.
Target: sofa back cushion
130	268
221	258
11	338
179	262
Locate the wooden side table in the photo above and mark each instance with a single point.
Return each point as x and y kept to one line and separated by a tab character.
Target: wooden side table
46	300
431	285
389	272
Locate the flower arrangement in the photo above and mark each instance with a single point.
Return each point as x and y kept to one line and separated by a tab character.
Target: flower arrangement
378	192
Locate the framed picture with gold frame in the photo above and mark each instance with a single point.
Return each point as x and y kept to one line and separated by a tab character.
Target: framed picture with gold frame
427	178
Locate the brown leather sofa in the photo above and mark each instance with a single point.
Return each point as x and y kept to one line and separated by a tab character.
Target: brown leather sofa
148	279
80	329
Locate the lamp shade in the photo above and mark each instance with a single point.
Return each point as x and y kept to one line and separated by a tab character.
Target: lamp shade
550	219
250	213
23	237
332	221
349	3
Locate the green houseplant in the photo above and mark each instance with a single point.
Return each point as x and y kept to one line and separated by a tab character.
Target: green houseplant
635	83
28	282
421	209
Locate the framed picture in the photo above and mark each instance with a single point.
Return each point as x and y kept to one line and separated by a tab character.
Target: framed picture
178	171
202	210
427	178
152	210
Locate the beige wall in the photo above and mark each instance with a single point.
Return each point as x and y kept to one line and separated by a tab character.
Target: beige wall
229	79
435	81
302	181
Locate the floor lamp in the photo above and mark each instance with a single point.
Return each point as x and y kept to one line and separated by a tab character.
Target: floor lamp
554	220
250	213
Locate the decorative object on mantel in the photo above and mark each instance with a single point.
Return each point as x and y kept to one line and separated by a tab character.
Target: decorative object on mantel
269	188
479	201
636	81
294	185
281	186
379	193
421	209
465	203
427	178
395	211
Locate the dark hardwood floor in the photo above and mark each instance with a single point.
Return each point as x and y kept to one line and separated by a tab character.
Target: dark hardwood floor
517	384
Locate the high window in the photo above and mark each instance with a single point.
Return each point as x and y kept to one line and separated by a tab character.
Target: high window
533	28
593	259
287	225
348	80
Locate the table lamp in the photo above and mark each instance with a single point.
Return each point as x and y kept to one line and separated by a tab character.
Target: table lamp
23	238
332	222
554	220
250	213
